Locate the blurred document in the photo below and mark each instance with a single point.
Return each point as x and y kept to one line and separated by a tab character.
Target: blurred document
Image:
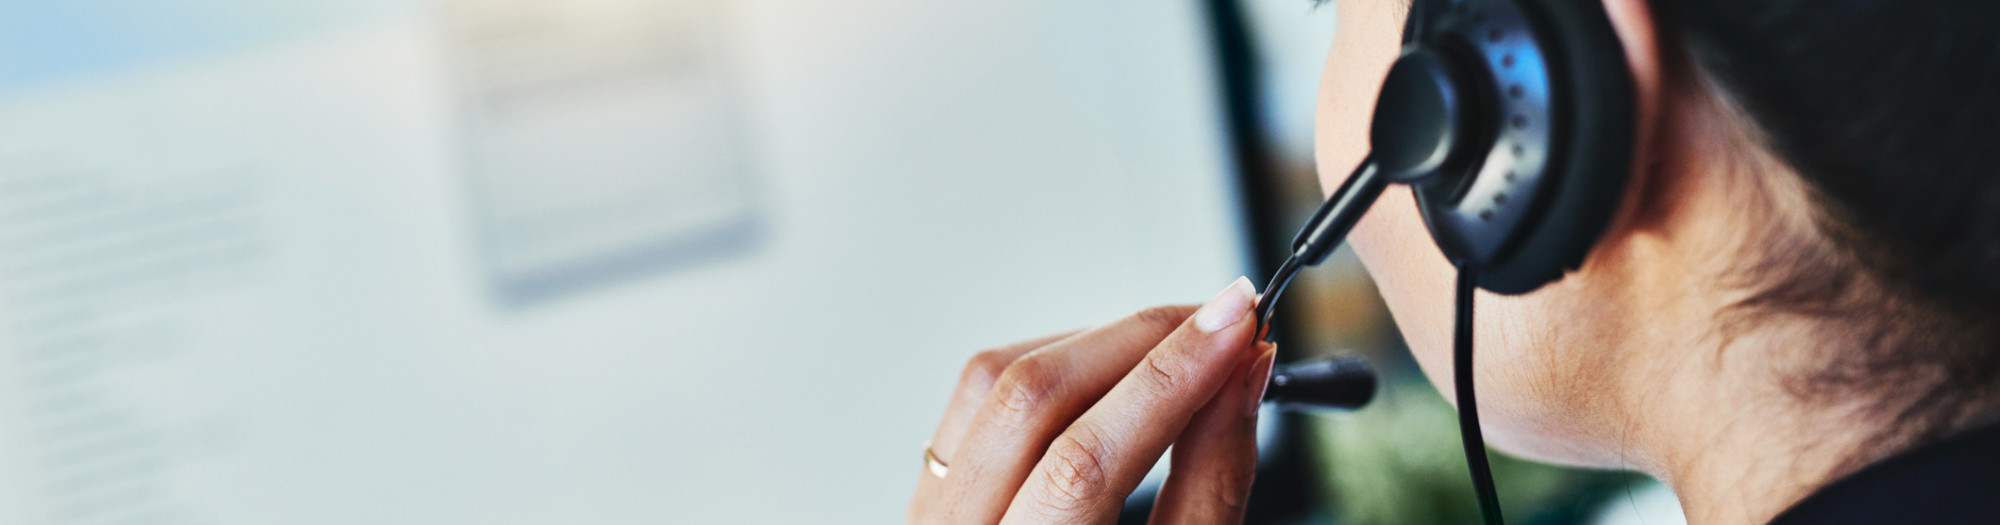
606	137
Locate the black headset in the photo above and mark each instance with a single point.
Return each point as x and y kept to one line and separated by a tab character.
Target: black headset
1512	121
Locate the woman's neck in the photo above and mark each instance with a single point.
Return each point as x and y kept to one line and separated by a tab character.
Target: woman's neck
1709	407
1738	447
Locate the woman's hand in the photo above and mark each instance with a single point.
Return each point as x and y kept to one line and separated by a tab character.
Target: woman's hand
1063	428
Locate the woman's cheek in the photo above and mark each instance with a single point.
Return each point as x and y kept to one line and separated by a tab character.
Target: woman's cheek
1391	240
1414	278
1366	42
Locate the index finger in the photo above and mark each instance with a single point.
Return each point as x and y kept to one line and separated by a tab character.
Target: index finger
1090	468
1038	396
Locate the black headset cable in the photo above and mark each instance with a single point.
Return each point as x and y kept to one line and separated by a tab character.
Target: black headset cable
1468	403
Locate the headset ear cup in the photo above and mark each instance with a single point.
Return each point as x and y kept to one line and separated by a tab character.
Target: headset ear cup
1557	136
1591	156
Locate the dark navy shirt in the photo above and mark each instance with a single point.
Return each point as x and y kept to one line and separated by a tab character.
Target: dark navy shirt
1951	482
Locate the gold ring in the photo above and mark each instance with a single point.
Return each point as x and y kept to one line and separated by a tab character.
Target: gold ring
935	465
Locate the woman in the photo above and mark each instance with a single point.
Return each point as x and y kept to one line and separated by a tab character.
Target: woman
1793	318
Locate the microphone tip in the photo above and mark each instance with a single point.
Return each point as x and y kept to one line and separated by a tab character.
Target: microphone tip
1341	382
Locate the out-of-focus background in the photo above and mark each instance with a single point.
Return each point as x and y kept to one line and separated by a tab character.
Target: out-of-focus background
643	261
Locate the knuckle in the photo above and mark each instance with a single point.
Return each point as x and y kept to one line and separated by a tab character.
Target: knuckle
1027	388
1164	373
1231	493
983	370
1163	318
1076	471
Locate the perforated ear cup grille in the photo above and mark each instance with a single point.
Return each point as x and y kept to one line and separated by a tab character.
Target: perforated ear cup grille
1555	96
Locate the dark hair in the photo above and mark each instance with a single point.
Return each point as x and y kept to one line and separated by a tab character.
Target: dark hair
1889	111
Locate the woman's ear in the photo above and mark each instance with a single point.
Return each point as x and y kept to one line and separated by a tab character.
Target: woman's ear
1634	23
1639	33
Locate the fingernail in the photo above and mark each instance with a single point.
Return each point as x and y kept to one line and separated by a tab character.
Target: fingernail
1260	377
1226	308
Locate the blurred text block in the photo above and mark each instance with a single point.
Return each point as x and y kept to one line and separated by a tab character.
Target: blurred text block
606	137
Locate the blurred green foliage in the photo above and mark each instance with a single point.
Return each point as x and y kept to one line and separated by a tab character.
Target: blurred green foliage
1400	462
